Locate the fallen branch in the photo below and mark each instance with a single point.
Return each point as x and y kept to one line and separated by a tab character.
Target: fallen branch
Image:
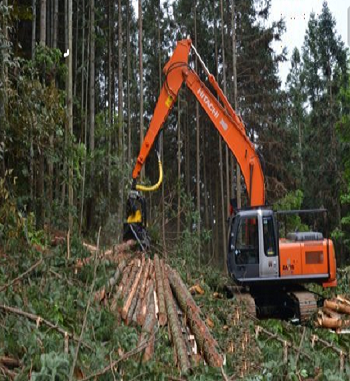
39	320
272	335
2	288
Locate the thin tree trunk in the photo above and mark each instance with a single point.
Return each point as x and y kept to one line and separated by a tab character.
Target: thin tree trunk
70	112
141	81
128	55
63	195
110	94
178	228
198	181
92	106
40	212
235	97
33	28
83	115
221	169
120	110
227	167
55	24
43	22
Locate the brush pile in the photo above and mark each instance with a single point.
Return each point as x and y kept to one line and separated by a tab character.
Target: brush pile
335	314
147	293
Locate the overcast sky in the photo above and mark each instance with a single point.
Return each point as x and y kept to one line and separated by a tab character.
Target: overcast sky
296	14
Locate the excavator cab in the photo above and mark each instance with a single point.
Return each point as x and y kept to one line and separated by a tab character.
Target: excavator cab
253	246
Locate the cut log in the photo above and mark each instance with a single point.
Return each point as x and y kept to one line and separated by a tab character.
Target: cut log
114	279
328	322
331	313
131	294
176	333
143	285
143	310
337	306
118	293
130	282
342	299
207	344
162	317
148	329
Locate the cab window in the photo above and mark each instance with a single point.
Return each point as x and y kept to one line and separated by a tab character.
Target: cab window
269	237
247	243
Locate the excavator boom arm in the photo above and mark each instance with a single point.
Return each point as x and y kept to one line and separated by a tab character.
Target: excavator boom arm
226	121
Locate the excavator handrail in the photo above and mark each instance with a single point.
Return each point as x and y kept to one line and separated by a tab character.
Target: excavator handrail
224	118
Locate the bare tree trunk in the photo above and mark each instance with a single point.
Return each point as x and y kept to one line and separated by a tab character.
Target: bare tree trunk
40	211
83	115
120	111
221	169
110	94
198	181
92	106
128	54
235	97
64	171
178	229
33	28
55	24
141	81
43	22
228	190
161	143
84	108
70	112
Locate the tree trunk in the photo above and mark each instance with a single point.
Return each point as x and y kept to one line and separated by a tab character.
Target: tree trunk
162	317
221	169
55	24
40	211
176	334
178	225
70	112
92	109
204	339
235	99
43	22
141	82
128	54
33	28
227	166
198	181
110	94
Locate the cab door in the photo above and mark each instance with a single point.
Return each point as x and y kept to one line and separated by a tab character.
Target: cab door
243	255
268	253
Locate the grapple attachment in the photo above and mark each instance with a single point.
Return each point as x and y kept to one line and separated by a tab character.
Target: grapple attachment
136	220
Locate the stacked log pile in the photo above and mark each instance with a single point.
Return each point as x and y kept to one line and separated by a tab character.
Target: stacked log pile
335	314
149	294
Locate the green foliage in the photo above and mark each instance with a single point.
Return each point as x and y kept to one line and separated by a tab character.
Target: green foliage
190	241
54	367
291	201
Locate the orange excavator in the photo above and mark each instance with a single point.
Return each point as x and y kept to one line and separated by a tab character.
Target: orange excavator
272	269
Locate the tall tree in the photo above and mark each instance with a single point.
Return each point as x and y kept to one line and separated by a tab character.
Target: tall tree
325	71
70	111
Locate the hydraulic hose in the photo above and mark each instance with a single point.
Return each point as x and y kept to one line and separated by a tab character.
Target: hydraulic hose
151	188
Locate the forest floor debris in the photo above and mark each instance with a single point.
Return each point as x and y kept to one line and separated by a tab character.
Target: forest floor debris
150	320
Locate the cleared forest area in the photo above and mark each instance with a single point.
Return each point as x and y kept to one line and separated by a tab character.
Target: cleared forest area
90	315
